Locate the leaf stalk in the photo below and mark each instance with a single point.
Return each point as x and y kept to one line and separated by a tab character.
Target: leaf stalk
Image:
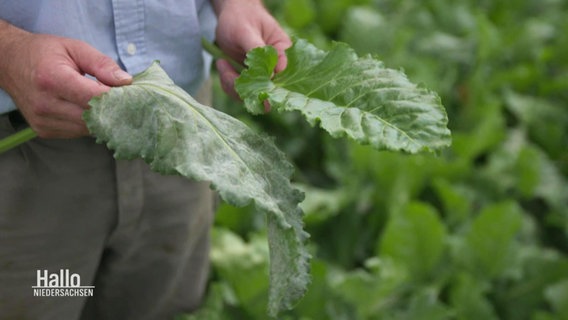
213	50
16	139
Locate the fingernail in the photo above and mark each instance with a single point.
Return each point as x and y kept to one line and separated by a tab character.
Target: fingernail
121	75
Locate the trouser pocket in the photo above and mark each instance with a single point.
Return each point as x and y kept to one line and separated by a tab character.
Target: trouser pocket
6	127
17	120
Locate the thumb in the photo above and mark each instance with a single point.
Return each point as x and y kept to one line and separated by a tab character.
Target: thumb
93	62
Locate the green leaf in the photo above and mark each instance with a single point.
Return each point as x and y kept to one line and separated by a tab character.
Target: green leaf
158	121
425	305
347	95
490	244
299	13
456	201
416	238
244	266
375	292
319	301
520	165
212	308
330	13
321	204
557	295
467	296
542	269
362	24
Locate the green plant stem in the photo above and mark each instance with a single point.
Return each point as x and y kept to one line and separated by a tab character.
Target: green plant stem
16	139
218	54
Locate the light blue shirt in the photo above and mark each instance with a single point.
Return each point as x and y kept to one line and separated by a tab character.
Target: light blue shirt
132	32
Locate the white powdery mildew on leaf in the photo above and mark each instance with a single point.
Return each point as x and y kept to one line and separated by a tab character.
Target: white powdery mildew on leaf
158	121
347	95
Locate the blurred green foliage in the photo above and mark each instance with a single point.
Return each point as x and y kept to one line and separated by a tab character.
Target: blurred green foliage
479	231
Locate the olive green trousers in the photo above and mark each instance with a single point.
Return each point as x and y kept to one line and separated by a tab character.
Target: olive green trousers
138	240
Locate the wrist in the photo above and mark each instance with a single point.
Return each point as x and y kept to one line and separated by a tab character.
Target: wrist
220	5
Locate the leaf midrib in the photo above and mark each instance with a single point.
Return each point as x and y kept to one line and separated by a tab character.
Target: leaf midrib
385	122
205	119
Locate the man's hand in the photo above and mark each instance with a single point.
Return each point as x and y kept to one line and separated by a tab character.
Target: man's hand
44	75
244	25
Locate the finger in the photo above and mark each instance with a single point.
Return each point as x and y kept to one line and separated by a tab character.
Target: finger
281	45
63	120
227	76
76	88
59	129
93	62
68	112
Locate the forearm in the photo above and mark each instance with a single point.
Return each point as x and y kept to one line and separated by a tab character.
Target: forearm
10	36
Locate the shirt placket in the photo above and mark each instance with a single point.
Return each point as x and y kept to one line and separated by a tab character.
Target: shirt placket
129	33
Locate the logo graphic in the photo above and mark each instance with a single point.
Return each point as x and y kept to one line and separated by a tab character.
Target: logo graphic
62	284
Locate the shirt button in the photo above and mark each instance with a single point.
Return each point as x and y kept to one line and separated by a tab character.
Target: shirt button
131	48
